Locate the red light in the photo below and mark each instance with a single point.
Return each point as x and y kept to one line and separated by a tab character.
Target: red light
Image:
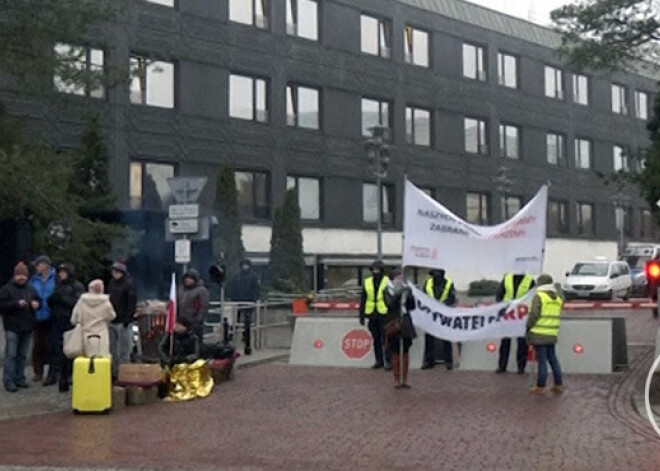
318	344
578	349
491	347
653	270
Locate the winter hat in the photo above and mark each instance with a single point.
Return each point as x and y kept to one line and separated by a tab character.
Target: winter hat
437	272
95	286
193	274
42	259
21	269
120	267
378	264
544	279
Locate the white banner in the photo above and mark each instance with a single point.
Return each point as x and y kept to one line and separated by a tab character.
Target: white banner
505	319
434	237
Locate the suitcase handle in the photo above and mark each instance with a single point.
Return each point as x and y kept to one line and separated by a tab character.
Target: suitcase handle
91	369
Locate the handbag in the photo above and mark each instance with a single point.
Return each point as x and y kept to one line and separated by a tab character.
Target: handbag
73	342
392	328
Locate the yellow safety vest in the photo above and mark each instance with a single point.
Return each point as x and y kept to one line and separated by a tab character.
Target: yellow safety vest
375	300
428	287
548	323
523	287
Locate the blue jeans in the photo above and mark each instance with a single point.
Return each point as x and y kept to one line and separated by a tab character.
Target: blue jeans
16	350
546	354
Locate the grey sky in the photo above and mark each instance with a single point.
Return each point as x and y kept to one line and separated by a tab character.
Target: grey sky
535	10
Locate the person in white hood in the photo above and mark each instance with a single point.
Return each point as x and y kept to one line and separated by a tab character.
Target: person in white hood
94	313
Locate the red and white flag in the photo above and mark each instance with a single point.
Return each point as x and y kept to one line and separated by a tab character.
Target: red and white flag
171	316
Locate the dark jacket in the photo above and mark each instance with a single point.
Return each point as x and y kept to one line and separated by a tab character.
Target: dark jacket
64	298
15	318
43	288
123	299
517	279
193	305
398	308
186	348
244	287
363	297
439	283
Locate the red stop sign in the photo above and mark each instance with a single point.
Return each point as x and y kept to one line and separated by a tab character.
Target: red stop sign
356	344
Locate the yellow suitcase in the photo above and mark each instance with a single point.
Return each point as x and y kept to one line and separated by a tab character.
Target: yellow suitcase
92	385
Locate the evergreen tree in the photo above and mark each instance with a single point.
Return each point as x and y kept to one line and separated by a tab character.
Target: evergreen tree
229	241
287	263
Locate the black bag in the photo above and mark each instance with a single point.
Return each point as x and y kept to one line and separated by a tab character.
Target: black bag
217	350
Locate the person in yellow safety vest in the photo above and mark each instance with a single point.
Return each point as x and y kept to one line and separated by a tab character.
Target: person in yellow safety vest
513	287
542	332
440	288
373	307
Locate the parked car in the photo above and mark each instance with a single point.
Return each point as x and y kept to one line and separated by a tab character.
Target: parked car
598	279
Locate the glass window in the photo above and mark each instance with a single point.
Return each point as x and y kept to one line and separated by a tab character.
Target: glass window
253	195
416	43
554	83
557	217
477	208
375	36
302	105
88	61
619	100
507	70
309	196
510	206
374	113
152	82
475	136
585	219
509	141
370	203
647	227
167	3
249	12
641	105
302	19
556	149
582	153
248	98
418	126
148	187
474	66
620	158
580	89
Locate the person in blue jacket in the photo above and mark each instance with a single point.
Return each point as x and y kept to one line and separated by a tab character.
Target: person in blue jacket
43	282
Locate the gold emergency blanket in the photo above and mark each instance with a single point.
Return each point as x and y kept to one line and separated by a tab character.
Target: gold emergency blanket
189	381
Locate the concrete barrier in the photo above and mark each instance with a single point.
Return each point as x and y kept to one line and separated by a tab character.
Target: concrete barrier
342	342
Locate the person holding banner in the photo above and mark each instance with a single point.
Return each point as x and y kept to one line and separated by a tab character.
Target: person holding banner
437	286
513	287
399	329
542	331
372	306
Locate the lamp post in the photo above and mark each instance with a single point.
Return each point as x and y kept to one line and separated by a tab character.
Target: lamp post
620	203
378	157
503	185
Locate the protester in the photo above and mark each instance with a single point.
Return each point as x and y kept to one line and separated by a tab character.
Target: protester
186	346
542	330
193	303
441	288
372	306
18	303
93	312
61	303
43	282
244	288
123	300
399	329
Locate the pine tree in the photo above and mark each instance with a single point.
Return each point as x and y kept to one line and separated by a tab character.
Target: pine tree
287	263
229	241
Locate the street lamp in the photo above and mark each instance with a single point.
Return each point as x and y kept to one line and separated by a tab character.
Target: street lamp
503	185
378	157
620	204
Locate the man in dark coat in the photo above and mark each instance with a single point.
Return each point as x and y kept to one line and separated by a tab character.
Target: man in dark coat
193	303
18	304
67	292
244	288
186	347
123	300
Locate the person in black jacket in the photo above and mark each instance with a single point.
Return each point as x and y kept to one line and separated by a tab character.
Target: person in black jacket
18	304
186	346
61	303
244	288
123	300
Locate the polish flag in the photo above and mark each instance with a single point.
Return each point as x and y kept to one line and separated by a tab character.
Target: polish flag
171	316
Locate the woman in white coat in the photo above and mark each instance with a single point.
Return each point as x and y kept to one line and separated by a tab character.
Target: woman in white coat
94	312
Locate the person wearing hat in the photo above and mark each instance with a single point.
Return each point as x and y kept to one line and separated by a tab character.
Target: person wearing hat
542	331
193	303
123	299
438	287
373	307
43	282
18	303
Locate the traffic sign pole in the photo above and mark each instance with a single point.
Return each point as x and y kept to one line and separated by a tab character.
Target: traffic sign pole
184	216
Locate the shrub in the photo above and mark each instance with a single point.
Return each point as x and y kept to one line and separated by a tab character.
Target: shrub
483	288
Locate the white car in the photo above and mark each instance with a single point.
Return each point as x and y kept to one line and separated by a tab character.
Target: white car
598	279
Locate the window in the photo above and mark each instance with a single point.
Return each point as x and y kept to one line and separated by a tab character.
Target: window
580	89
507	70
248	98
556	149
619	101
375	36
641	105
475	136
309	196
585	219
374	113
474	66
582	153
510	206
302	19
166	3
416	43
557	217
370	203
647	225
88	61
148	188
418	126
302	107
152	82
620	158
253	195
477	208
509	141
554	83
249	12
